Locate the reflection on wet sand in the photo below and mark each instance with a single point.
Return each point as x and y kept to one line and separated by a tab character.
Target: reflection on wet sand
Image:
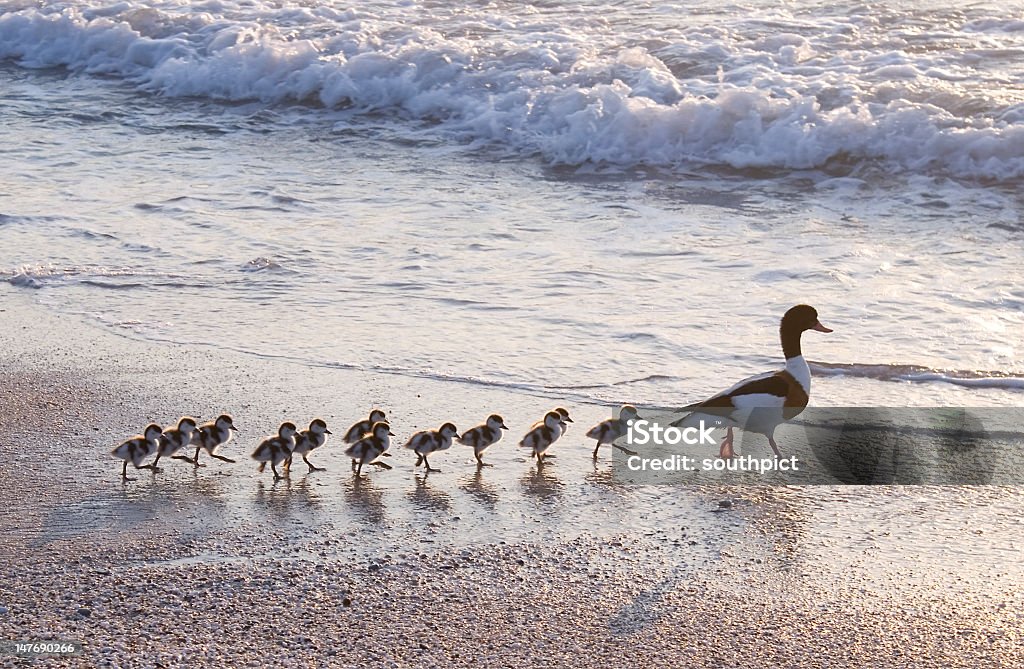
542	483
480	490
364	498
425	498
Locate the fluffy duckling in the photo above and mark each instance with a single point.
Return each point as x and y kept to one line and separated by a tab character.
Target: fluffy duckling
306	441
483	436
276	449
174	439
368	449
138	448
211	436
540	438
563	419
364	427
430	441
607	431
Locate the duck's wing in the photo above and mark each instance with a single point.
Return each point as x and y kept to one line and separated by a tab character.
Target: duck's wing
771	387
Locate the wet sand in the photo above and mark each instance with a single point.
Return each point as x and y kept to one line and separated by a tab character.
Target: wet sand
507	567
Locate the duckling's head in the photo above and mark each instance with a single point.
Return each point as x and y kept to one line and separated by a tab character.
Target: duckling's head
449	431
381	430
564	415
377	416
496	422
187	424
318	426
552	419
225	421
152	431
628	412
287	430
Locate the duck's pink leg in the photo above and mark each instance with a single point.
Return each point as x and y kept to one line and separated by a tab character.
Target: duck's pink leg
725	451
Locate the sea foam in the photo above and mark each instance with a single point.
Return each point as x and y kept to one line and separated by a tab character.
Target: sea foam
789	98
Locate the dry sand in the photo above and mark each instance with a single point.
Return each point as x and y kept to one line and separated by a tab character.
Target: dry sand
180	573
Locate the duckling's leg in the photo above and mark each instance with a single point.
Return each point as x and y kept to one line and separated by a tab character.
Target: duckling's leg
311	467
381	464
288	465
480	461
427	465
195	458
623	449
273	467
221	457
183	457
359	469
263	465
725	450
124	472
154	467
775	447
353	465
419	460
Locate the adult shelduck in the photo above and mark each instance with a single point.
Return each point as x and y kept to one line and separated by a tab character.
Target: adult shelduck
761	403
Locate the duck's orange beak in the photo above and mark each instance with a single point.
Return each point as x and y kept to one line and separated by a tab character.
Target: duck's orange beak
820	328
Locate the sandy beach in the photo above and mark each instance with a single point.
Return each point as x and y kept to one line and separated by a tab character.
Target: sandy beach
507	567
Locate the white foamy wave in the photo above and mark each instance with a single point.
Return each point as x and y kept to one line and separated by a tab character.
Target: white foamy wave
918	374
743	94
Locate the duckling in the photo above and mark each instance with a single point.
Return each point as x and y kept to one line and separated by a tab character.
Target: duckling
364	427
540	438
276	449
607	431
563	416
428	441
483	436
306	441
138	448
368	449
174	439
211	436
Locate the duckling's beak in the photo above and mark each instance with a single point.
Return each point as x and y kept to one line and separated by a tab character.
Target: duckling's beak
390	433
328	432
568	420
235	428
503	426
455	436
819	327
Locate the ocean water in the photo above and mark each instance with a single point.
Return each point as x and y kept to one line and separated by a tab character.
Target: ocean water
598	202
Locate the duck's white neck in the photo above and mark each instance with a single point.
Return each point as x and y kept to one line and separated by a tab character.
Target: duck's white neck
797	366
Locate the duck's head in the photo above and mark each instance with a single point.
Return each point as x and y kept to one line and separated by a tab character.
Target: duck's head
377	416
802	318
287	430
186	424
152	432
449	431
563	414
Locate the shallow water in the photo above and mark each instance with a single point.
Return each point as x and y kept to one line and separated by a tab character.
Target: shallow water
288	238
